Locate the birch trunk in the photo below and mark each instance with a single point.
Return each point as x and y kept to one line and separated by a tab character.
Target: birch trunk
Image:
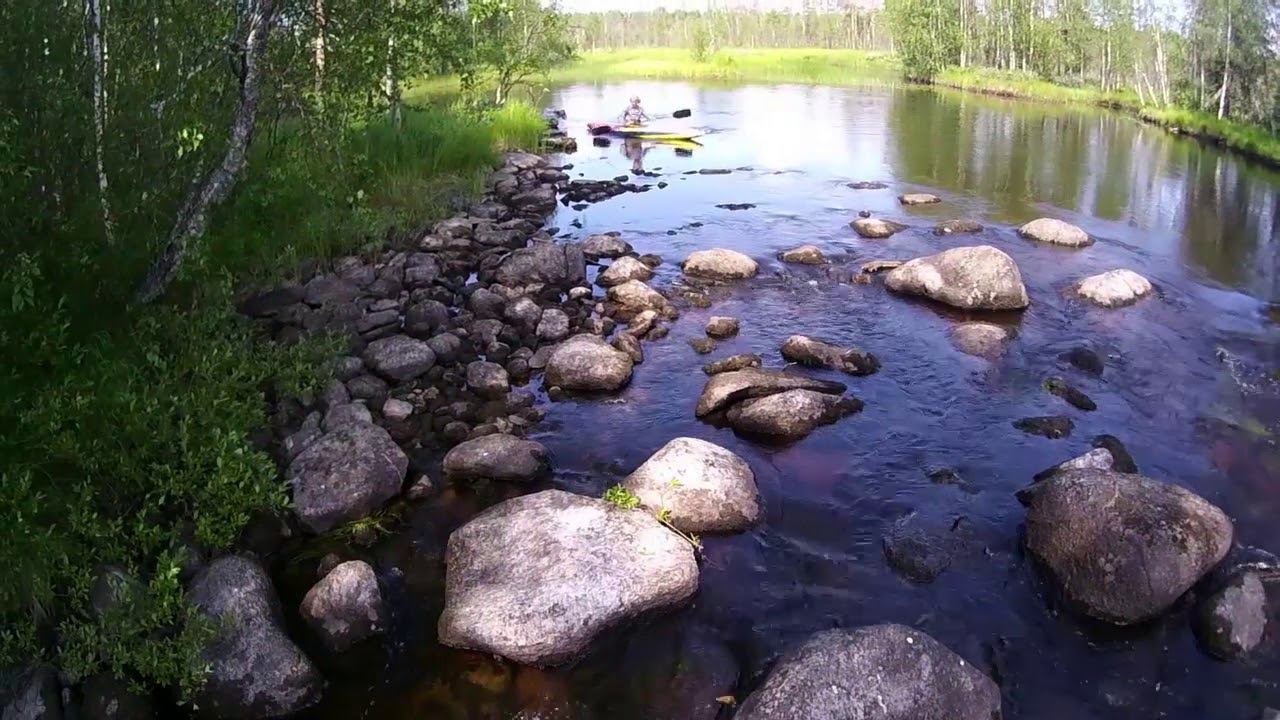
258	21
98	58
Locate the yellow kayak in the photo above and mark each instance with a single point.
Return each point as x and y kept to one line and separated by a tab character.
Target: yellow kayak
640	132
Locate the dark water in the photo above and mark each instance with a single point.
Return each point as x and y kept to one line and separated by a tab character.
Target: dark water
1200	224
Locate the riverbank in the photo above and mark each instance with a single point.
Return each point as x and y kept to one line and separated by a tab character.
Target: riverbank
133	447
855	67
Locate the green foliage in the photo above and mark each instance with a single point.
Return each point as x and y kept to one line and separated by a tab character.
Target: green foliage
511	43
622	498
120	447
702	45
926	35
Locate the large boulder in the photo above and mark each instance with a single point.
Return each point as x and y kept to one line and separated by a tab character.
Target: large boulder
810	352
880	672
586	363
605	246
622	270
255	670
1114	288
634	297
726	388
35	694
1121	546
399	357
974	278
703	486
1232	620
345	607
876	228
545	264
488	379
497	457
346	475
789	415
1055	232
720	264
535	579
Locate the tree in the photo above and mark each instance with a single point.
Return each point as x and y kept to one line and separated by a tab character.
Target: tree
926	33
513	41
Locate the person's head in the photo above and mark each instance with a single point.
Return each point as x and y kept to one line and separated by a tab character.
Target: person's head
635	101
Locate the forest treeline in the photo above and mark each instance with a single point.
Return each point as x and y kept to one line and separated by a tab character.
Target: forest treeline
154	156
1212	56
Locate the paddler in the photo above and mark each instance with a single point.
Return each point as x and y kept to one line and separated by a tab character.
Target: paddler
634	114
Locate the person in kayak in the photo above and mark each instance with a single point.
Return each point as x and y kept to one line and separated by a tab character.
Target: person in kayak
634	114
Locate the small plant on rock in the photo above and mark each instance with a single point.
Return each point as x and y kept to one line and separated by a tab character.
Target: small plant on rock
622	498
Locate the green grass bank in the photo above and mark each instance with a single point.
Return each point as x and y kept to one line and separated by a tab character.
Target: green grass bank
854	67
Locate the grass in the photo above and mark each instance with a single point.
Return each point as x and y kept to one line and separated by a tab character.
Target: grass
299	202
816	66
854	67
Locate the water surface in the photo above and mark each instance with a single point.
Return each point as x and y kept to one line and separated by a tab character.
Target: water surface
1201	224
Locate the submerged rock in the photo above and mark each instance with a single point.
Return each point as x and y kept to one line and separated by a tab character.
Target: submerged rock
497	457
724	389
587	363
1114	288
254	669
721	327
1121	459
1083	358
629	344
1073	396
703	487
702	346
1122	547
1056	232
789	415
345	607
981	339
1054	427
622	270
876	228
916	552
535	579
720	264
867	185
879	672
1232	620
816	353
804	255
919	199
731	363
957	227
974	278
345	475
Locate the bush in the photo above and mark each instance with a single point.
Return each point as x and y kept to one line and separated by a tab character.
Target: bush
120	447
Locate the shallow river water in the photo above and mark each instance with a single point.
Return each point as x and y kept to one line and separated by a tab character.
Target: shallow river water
1190	388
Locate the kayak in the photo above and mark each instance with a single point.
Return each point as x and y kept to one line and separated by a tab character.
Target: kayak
640	132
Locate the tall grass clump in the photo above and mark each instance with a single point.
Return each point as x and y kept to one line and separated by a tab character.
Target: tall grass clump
829	67
302	202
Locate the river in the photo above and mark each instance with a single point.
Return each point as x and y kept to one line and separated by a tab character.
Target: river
1189	387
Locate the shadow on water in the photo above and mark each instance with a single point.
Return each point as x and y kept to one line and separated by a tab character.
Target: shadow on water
935	441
